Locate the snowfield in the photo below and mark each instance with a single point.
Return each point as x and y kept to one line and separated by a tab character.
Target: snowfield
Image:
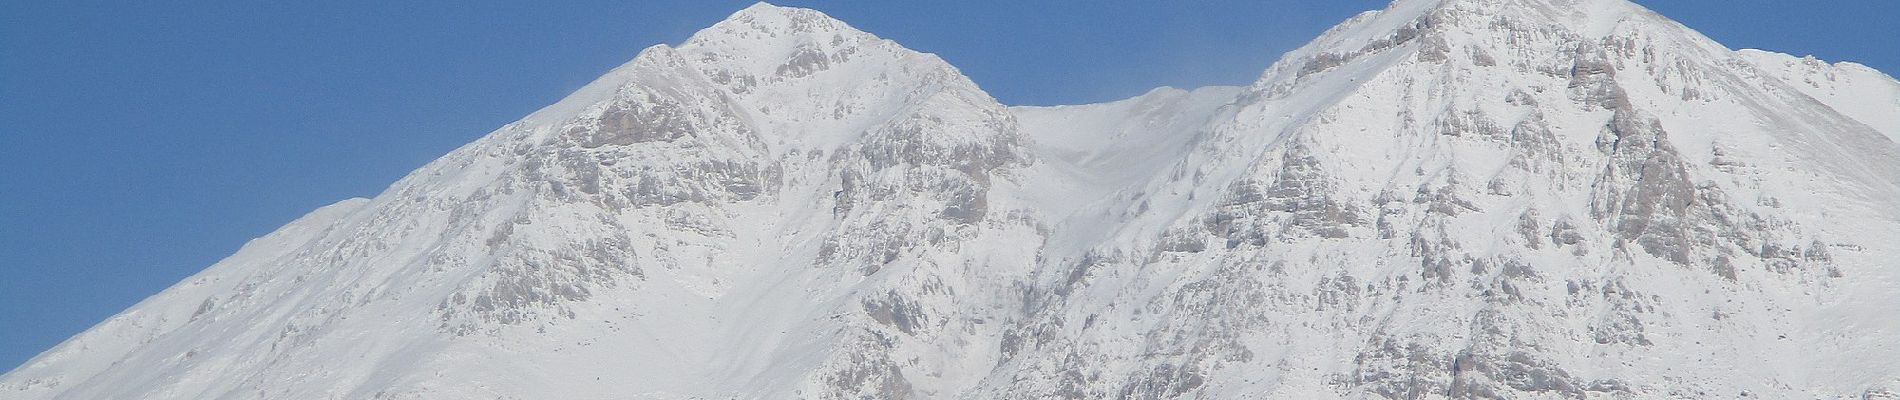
1442	199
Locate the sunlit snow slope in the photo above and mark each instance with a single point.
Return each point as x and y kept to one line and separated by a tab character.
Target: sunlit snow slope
1443	199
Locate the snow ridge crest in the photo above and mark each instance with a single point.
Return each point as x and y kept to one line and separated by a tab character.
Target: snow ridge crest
1447	198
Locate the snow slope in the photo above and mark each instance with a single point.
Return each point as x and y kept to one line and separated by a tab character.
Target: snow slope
1442	199
1852	89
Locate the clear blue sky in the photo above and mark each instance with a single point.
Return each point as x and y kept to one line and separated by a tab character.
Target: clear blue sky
140	142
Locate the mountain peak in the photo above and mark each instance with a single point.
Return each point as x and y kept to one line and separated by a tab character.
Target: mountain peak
769	9
769	43
761	7
1457	198
765	20
1432	30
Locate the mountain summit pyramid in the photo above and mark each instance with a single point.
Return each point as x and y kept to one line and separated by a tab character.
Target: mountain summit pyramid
1443	199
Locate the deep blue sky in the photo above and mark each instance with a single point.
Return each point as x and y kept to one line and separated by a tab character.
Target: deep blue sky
141	142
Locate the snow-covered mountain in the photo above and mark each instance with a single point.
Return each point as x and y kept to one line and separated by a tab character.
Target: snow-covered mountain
1446	198
1854	90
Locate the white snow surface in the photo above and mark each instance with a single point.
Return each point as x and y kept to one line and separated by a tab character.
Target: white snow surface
1443	199
1854	90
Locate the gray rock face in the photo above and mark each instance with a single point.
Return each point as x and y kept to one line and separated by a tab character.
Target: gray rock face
1445	199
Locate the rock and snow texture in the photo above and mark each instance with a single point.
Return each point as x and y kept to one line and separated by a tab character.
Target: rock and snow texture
1443	199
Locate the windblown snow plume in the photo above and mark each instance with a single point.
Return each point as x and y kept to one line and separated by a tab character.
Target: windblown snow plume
1443	199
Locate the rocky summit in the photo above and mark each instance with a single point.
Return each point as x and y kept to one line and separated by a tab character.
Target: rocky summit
1444	199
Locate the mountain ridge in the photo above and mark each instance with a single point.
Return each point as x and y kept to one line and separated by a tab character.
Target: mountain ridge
1450	198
